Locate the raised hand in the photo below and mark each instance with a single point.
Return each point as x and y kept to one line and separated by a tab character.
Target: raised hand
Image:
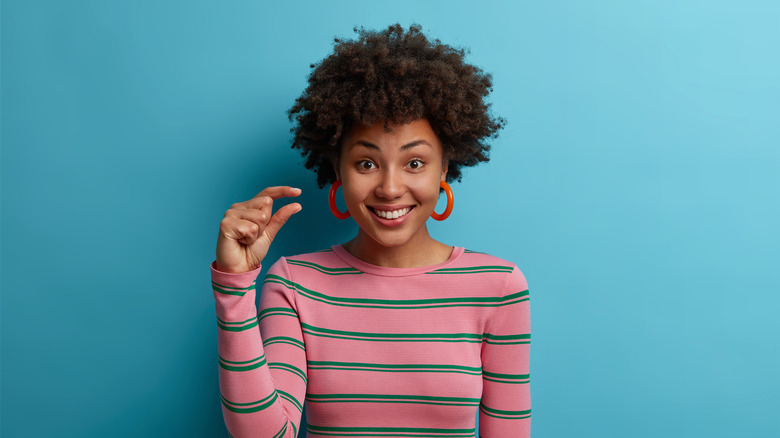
248	228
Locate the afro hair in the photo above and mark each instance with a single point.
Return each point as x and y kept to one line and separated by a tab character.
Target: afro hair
394	76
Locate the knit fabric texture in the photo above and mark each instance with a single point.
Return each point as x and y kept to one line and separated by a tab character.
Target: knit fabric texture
375	351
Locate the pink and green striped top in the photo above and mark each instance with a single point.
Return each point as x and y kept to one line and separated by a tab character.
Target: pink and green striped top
375	351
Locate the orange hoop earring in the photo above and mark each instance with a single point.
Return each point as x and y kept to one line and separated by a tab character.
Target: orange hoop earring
332	201
450	203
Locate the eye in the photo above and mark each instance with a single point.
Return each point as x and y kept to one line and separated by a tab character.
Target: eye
415	164
365	165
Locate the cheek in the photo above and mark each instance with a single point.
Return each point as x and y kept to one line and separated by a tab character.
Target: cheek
428	192
353	193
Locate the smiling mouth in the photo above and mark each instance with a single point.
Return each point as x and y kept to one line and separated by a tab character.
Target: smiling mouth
392	214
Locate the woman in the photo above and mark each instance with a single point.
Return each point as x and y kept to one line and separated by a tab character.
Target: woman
392	333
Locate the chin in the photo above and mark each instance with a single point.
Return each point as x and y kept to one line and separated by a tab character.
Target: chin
390	239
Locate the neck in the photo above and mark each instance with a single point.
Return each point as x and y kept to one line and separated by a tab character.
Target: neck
423	250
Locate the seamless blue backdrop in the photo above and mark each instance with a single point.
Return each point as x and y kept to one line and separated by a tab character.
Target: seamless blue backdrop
636	185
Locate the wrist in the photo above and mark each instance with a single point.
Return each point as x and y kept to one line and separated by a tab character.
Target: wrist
226	269
234	271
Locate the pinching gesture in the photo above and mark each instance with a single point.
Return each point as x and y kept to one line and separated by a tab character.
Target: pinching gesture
248	228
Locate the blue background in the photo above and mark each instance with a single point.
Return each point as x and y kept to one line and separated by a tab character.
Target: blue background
636	185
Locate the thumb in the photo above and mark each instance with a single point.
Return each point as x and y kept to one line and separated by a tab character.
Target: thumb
280	218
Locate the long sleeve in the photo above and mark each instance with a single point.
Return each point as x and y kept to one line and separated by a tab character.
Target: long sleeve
505	408
262	359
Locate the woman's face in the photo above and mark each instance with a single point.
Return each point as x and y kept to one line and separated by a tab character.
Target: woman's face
391	180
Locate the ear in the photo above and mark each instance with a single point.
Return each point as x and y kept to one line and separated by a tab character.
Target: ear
336	168
444	168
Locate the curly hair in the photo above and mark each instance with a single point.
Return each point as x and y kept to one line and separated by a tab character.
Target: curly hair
394	77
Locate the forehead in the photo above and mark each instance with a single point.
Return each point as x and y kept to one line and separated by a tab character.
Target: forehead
408	135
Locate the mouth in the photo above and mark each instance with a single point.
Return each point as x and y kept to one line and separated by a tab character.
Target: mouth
391	214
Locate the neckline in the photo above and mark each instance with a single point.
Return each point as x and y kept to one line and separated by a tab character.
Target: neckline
385	271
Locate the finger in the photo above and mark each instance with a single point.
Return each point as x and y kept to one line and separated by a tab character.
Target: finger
279	192
280	218
240	230
258	216
266	198
259	206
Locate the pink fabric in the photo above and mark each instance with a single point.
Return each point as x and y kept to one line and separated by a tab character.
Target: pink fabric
376	351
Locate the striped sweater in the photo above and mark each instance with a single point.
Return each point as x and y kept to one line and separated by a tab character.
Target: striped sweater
375	351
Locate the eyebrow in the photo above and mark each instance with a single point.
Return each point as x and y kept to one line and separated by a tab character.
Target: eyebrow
403	148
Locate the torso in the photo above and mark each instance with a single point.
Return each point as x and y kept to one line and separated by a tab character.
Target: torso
389	343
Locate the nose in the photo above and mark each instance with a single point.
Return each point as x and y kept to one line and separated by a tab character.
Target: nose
391	185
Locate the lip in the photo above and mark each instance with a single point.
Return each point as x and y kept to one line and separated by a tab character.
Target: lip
383	207
390	222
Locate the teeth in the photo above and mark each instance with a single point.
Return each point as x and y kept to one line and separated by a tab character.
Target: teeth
395	214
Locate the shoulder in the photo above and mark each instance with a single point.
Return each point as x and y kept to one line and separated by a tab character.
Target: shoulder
480	262
485	258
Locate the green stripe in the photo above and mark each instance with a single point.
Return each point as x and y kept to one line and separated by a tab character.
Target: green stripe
226	290
323	269
284	340
473	269
242	366
391	431
261	401
417	337
467	272
234	362
404	368
228	326
507	339
506	378
287	396
271	311
282	430
400	304
392	337
261	404
507	415
288	367
504	381
223	322
392	398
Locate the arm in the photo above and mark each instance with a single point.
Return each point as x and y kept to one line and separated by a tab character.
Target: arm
505	409
262	387
258	398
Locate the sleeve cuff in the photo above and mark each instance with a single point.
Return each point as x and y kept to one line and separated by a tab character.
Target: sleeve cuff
230	279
